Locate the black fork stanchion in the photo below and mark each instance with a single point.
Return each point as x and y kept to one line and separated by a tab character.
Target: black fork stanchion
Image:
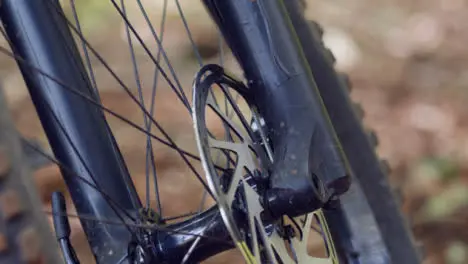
309	166
77	130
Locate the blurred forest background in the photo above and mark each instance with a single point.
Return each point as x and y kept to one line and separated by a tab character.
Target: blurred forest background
407	62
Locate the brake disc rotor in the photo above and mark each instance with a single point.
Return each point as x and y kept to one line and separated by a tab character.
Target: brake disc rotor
246	156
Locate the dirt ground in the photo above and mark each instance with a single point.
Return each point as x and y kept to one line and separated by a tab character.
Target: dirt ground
407	63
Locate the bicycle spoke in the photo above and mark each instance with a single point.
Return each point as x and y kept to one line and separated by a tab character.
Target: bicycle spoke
189	34
154	227
159	40
179	216
136	74
170	141
200	62
153	97
226	116
181	96
109	69
92	101
85	51
76	175
70	48
202	203
114	206
121	220
236	109
123	259
221	62
80	157
263	136
127	90
195	243
161	50
227	121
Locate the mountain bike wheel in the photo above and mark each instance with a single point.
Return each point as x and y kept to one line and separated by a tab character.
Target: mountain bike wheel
132	219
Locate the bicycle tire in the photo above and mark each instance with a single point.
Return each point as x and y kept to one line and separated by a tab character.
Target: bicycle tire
23	226
370	180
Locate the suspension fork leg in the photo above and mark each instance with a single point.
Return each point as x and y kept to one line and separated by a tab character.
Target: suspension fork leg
77	130
308	157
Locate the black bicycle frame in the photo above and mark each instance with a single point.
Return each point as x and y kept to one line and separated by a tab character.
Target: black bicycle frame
308	161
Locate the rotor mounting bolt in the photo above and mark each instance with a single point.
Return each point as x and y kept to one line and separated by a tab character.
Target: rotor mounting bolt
289	231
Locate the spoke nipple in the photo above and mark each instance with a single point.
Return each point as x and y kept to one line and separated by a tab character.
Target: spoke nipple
148	215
